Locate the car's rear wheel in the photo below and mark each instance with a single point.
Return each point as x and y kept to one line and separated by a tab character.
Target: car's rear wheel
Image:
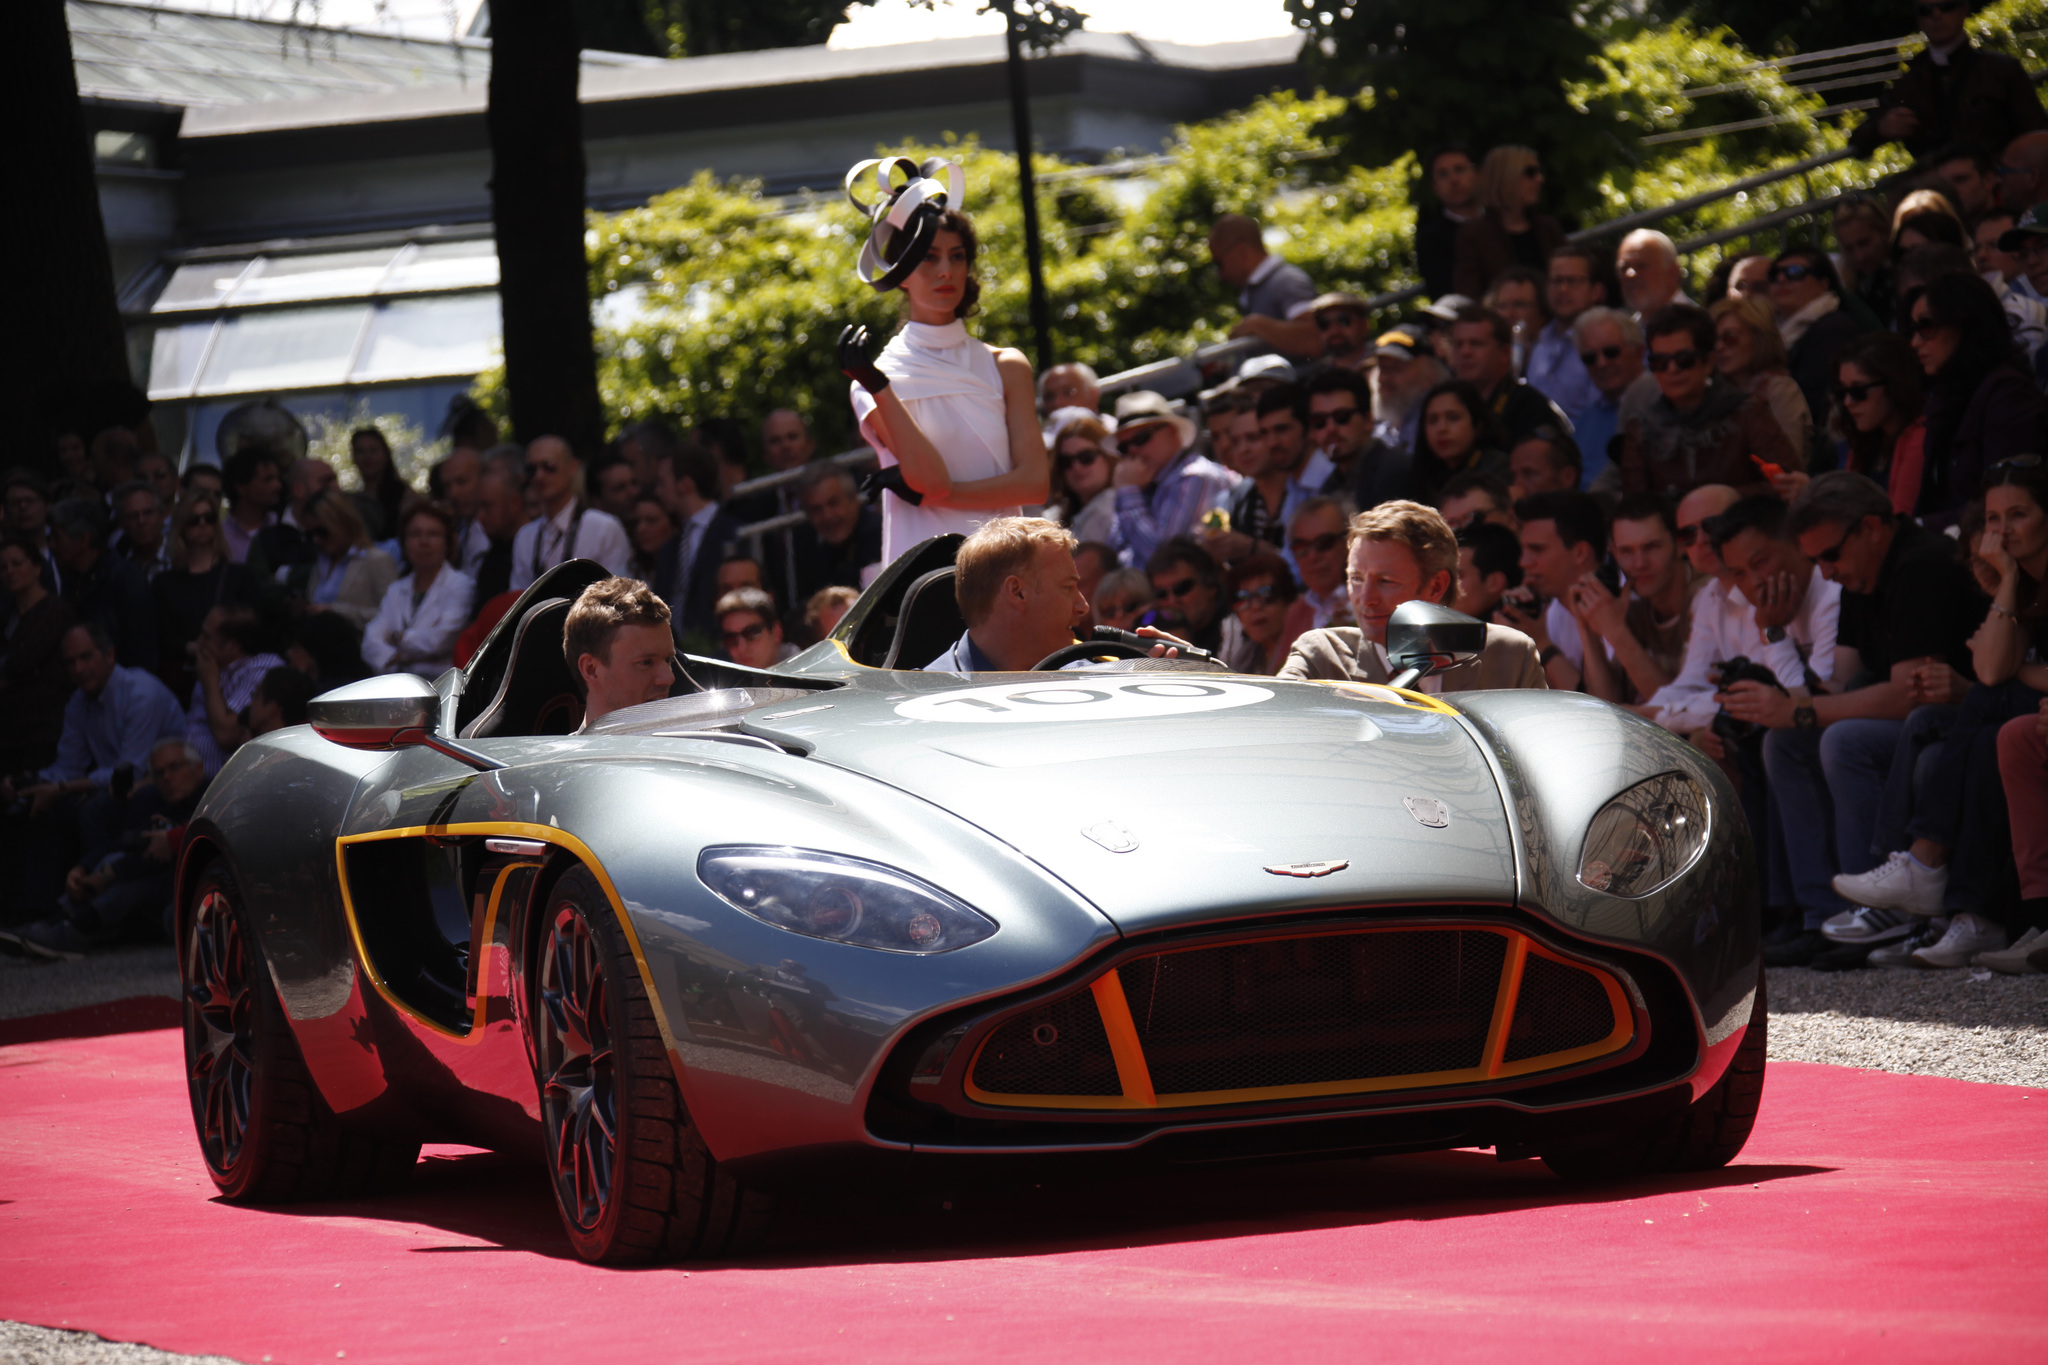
265	1132
633	1180
1708	1133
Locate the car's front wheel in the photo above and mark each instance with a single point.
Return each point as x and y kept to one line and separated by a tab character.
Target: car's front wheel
633	1180
1708	1133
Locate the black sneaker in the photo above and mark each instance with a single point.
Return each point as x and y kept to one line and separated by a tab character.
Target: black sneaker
1790	927
1799	950
1842	957
54	940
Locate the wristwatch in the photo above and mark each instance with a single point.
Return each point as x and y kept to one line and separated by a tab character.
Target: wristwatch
1803	717
1774	634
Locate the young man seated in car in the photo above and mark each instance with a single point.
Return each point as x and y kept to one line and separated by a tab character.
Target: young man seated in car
1405	552
618	646
1020	594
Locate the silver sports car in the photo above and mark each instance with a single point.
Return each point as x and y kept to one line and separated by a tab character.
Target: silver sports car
847	915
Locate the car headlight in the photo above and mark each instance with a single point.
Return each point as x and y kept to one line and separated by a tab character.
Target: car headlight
828	896
1646	837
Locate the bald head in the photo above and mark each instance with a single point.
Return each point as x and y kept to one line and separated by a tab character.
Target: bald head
1695	509
2023	177
1236	247
1648	264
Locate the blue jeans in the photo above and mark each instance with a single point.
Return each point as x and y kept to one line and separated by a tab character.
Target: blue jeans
1962	805
1827	788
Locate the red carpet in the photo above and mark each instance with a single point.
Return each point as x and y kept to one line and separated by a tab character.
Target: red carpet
1873	1218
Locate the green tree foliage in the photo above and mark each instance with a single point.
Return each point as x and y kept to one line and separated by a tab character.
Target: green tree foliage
1780	27
699	28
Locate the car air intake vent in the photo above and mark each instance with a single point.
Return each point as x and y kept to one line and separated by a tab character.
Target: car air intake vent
1560	1008
1057	1049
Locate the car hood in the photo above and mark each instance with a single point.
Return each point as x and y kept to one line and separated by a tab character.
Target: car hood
1171	798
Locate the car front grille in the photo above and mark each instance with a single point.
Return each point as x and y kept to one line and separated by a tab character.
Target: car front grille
1332	1013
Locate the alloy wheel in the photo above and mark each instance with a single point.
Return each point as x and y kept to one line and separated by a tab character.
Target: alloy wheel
219	1028
579	1101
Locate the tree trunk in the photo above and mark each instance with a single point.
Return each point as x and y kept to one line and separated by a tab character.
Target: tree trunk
537	203
68	365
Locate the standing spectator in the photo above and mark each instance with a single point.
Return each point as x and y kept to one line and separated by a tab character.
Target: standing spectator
1952	91
1546	462
1878	402
826	609
1967	168
457	479
687	484
1316	539
231	662
1563	537
787	445
1454	184
750	630
1072	385
1510	232
1403	552
1610	344
1650	275
569	527
143	520
414	629
1701	428
1864	233
1083	468
1459	434
255	483
348	576
1482	354
1476	496
1267	496
615	486
1575	283
33	681
1404	370
841	540
28	516
650	526
1188	585
500	512
1489	567
1274	297
200	578
1749	352
1163	487
1643	629
383	492
1344	323
1807	298
1982	406
100	585
1347	460
1259	590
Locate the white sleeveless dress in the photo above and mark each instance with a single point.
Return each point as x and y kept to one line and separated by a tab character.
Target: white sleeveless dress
949	384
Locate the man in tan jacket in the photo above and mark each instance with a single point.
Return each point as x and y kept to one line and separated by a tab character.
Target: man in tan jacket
1401	552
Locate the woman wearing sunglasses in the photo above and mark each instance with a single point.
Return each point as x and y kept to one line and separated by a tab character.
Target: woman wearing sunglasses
1877	416
1259	588
1982	406
1082	466
1510	232
1701	428
349	575
199	579
1459	434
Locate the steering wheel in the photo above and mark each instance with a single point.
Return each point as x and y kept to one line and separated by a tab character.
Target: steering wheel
1088	649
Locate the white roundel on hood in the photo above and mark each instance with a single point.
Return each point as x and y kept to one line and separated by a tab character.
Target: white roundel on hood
1068	698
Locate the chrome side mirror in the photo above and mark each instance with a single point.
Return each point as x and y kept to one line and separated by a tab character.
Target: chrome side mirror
394	711
1425	638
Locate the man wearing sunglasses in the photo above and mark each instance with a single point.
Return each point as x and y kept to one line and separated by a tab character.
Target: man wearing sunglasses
749	630
1345	324
1348	461
1163	486
568	527
1951	92
1610	346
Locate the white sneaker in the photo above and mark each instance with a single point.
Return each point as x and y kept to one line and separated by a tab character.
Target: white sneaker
1865	924
1967	936
2013	961
1903	883
1900	953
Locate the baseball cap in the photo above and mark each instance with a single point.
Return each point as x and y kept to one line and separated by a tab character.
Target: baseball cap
2032	223
1399	344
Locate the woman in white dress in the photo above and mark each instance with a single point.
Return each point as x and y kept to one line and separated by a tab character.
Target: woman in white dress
953	419
414	630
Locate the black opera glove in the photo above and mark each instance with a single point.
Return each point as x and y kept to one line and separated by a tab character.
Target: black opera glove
889	480
854	362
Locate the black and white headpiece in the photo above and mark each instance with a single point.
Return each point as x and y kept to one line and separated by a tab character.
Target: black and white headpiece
905	218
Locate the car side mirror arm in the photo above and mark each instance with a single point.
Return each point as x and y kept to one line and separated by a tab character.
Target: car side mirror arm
1426	637
395	711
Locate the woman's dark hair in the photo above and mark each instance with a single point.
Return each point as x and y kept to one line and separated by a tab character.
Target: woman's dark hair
1933	227
417	506
1681	319
953	220
1063	497
1261	563
2029	472
1887	358
1983	343
1486	429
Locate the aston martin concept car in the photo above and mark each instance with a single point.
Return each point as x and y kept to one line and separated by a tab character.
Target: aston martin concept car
848	912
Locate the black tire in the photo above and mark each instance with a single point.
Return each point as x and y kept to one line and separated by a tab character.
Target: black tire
1707	1134
264	1131
633	1181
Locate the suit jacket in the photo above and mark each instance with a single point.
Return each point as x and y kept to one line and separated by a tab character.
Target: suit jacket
691	598
1984	98
1342	654
1485	248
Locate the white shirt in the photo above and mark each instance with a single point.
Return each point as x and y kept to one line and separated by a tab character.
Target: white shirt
597	536
1429	682
471	549
419	639
1724	626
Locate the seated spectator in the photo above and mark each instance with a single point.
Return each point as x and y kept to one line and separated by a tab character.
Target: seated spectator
329	649
1651	278
455	482
414	629
1475	496
1982	405
1968	168
1403	552
154	468
1863	231
200	578
1489	567
231	662
280	700
841	539
100	585
283	544
1749	353
649	527
1083	465
1247	442
1316	542
207	479
743	571
122	887
1577	281
28	516
618	645
1482	355
500	512
1806	296
1546	461
255	483
383	492
1722	627
2027	315
1093	560
751	631
1610	344
1642	629
1347	461
1517	295
1750	278
2023	767
1701	428
1877	412
2026	242
826	609
1020	594
786	442
1187	589
1163	488
1511	231
1454	183
1404	370
1929	214
141	518
1220	411
1274	296
1459	434
615	487
1123	599
1564	536
1269	492
568	527
1259	591
34	683
1072	385
1344	323
686	570
348	576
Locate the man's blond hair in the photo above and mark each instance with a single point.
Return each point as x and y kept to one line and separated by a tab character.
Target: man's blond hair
600	612
996	550
1422	529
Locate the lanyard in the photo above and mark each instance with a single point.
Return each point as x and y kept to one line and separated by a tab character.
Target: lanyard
568	540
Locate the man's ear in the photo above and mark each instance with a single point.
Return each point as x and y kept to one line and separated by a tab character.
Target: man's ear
1438	589
1495	582
587	667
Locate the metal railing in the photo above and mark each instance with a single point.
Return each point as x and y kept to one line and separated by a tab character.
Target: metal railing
754	533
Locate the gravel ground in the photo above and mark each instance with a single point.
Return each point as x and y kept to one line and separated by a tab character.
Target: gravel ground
33	987
21	1344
